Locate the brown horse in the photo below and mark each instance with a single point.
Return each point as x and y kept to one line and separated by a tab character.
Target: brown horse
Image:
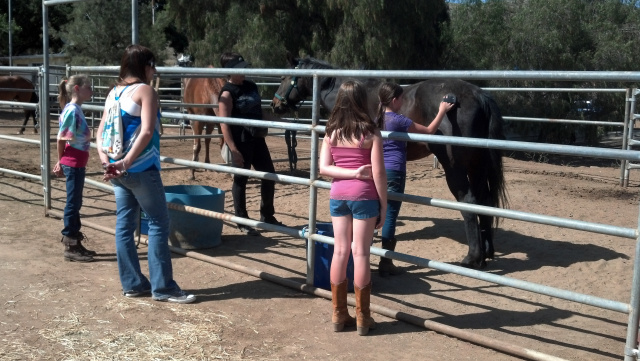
202	91
24	92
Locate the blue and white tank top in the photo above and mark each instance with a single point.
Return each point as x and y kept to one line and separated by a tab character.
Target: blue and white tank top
149	158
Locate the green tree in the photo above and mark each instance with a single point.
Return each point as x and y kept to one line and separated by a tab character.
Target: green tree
543	35
389	35
475	37
546	35
404	34
26	16
100	30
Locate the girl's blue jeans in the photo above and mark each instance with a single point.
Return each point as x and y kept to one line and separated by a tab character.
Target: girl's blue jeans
143	190
75	186
395	183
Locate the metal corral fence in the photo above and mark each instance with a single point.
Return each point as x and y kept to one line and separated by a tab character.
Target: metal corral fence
171	97
631	308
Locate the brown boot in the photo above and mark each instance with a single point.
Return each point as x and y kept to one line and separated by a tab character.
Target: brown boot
81	237
386	266
340	316
363	313
72	252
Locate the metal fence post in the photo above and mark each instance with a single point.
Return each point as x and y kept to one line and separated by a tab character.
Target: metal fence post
625	133
313	176
631	126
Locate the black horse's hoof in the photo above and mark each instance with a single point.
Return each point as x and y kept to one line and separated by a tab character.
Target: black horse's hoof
466	262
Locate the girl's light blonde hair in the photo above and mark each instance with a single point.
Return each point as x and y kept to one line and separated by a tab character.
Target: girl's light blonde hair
66	87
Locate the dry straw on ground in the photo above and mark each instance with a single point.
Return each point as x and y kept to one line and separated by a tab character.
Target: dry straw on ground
189	334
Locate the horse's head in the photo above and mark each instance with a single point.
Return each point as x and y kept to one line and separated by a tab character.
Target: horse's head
288	96
294	90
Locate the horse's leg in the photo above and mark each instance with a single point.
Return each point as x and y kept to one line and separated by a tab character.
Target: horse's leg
480	188
32	113
292	143
207	141
197	130
460	187
24	123
486	233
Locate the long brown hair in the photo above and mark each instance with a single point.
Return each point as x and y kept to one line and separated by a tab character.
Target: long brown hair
134	62
387	92
349	116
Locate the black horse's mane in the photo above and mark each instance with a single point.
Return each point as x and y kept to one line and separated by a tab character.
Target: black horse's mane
313	63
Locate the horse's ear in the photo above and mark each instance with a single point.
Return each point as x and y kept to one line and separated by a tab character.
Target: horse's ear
291	59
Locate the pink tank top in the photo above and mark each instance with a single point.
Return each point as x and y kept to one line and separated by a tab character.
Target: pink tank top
352	189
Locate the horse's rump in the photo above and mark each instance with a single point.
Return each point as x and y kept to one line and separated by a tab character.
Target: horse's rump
202	91
21	85
480	118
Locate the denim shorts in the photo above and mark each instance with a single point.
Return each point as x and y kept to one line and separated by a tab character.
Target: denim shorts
358	209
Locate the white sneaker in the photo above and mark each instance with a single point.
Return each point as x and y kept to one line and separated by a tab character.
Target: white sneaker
185	298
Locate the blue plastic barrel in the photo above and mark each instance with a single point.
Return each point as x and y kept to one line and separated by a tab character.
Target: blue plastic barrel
323	257
193	231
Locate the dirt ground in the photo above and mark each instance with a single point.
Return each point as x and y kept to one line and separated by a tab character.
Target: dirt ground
56	310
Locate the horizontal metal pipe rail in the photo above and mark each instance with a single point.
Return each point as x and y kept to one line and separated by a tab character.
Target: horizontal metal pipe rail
566	121
436	139
21	174
557	90
20	104
609	76
17	90
489	277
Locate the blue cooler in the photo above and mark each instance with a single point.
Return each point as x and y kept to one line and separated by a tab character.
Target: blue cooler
324	254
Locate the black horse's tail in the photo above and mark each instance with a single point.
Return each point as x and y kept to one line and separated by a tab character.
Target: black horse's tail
497	186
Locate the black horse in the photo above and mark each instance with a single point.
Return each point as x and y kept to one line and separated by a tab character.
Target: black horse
474	175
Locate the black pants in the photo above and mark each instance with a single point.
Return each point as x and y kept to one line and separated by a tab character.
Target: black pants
256	154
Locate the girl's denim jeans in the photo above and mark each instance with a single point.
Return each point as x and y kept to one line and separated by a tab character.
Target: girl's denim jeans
143	190
75	187
395	183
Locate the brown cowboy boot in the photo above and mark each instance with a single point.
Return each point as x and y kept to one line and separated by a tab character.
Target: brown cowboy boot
363	313
386	266
72	252
340	317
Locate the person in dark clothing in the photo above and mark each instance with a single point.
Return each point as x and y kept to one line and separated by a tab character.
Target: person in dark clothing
239	98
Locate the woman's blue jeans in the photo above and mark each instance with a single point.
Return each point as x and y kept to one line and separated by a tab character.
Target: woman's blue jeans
143	190
395	183
75	186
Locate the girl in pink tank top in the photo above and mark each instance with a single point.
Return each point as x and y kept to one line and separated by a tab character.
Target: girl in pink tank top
352	189
352	155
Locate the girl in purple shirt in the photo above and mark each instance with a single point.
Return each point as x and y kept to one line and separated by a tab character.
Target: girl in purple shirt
395	160
352	155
